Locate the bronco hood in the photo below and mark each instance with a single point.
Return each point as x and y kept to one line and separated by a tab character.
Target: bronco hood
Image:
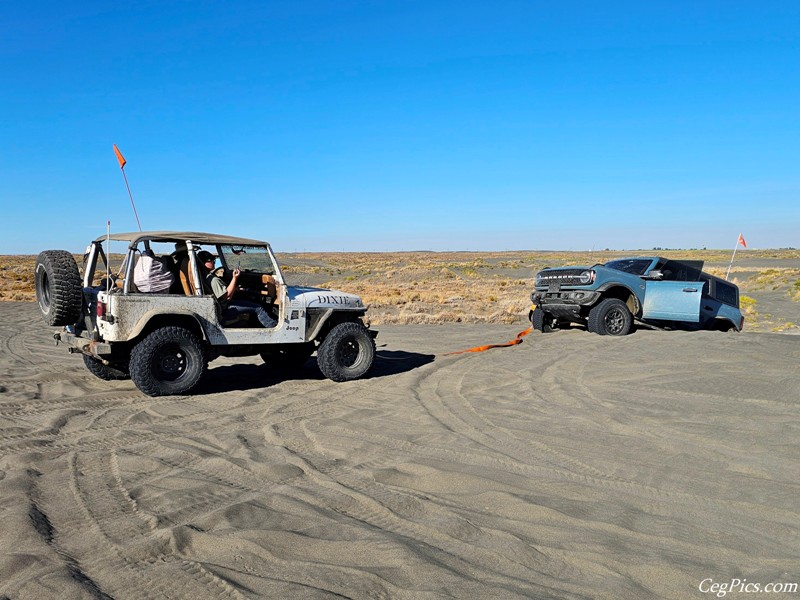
311	297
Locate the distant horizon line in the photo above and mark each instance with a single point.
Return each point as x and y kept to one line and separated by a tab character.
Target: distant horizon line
423	251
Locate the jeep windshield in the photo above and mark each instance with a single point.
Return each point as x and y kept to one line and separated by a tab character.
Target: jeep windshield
247	258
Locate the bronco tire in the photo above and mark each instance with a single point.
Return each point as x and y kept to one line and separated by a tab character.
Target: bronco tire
610	317
103	371
541	320
347	352
288	356
170	360
59	289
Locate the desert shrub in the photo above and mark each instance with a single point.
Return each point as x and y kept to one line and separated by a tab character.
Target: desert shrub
794	292
748	305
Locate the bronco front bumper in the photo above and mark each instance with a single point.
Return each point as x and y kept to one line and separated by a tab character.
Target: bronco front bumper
564	303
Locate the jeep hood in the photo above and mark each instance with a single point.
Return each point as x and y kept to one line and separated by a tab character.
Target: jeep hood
311	297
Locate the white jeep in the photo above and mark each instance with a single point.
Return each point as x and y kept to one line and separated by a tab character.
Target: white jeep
164	340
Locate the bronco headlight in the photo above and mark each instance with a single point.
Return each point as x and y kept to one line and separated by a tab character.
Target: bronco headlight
586	277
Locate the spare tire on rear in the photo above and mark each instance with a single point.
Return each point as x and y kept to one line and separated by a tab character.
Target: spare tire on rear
58	287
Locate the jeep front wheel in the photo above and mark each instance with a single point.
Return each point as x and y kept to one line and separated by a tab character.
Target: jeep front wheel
346	352
59	289
610	317
170	360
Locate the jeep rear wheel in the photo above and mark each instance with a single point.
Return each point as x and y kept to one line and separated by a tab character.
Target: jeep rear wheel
58	287
170	360
610	317
346	352
112	372
287	356
541	321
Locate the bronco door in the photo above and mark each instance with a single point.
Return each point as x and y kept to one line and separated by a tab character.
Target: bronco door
672	300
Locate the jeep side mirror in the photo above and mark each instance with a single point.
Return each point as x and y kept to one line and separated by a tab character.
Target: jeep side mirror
655	274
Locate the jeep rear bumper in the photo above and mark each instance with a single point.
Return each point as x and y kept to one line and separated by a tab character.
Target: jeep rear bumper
81	345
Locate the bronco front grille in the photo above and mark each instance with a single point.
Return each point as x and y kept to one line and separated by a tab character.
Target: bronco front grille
561	277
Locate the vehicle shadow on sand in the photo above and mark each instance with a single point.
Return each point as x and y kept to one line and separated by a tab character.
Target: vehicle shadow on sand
243	377
394	362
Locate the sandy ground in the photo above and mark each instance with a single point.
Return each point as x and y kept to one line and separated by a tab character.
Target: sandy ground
570	466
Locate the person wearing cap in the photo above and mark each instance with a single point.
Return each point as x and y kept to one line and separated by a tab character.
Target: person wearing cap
231	307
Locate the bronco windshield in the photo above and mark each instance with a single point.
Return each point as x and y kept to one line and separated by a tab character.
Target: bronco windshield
635	266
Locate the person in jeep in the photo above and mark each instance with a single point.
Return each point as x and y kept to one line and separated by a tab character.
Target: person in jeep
231	307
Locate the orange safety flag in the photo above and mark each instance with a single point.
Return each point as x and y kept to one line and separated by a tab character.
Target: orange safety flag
741	240
120	158
514	342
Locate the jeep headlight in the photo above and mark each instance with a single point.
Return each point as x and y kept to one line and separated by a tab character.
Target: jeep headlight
586	277
538	279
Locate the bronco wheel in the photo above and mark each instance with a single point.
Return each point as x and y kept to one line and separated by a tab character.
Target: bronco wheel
58	287
610	317
106	372
170	360
541	320
347	352
287	356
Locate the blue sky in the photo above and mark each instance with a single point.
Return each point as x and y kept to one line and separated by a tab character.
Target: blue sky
403	125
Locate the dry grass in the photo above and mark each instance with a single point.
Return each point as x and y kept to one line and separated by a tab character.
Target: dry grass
16	278
485	287
776	279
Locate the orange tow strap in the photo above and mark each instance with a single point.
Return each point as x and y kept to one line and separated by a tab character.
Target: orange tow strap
514	342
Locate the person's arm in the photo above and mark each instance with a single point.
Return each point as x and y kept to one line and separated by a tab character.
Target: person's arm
231	289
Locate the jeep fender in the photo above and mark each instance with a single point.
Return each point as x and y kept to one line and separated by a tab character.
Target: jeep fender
155	318
328	317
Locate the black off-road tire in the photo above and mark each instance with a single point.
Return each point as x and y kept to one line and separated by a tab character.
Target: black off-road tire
59	289
725	327
168	361
541	320
346	352
105	372
287	356
610	316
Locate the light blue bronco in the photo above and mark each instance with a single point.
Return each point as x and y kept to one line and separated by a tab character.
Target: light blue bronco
654	291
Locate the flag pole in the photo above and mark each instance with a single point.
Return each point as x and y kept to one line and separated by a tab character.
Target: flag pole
740	240
108	256
730	265
122	163
135	214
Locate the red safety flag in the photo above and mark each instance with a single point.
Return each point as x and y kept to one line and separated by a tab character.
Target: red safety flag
741	240
122	162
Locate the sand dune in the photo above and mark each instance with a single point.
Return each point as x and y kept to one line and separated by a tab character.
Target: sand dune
570	466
